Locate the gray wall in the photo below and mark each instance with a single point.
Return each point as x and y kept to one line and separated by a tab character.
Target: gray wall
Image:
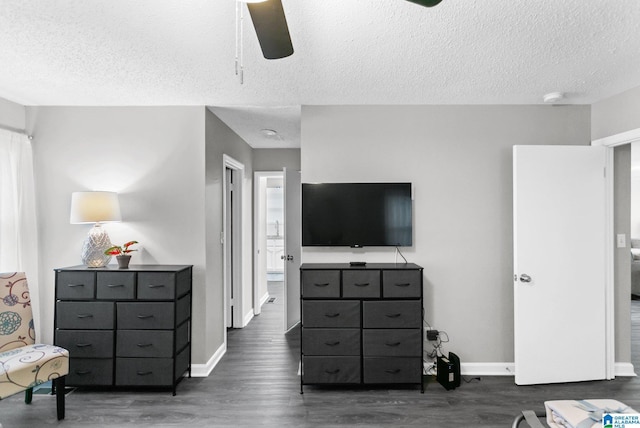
459	159
154	157
276	159
622	256
12	115
612	116
220	140
616	114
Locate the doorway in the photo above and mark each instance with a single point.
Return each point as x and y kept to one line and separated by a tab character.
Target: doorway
231	239
634	243
269	234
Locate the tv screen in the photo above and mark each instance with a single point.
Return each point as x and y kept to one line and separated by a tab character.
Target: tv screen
356	214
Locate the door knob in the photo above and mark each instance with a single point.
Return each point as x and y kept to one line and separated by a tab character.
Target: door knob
525	278
287	257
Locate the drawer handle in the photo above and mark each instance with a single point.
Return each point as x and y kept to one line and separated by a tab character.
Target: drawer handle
393	315
364	284
145	345
404	284
336	343
75	285
115	285
392	371
83	372
393	344
144	317
85	315
83	345
324	284
336	371
155	285
139	373
333	315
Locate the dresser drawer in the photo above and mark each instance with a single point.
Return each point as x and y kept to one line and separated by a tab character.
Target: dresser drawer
331	313
182	362
401	283
144	371
183	309
392	314
145	315
331	369
115	285
90	371
392	370
156	285
320	283
361	283
75	285
331	341
85	315
86	343
144	343
392	342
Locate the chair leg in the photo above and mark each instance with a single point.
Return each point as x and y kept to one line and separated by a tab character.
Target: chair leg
28	395
60	386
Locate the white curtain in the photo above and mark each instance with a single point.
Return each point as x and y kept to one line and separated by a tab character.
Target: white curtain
18	225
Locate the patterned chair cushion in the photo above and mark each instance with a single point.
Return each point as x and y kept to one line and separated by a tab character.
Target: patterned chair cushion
16	318
31	365
23	364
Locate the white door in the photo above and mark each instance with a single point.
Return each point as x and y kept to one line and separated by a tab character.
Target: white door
292	242
559	263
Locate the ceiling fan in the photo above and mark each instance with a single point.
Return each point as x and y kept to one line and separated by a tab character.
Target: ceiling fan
272	30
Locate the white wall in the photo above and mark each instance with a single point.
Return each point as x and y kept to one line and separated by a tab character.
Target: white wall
154	158
459	161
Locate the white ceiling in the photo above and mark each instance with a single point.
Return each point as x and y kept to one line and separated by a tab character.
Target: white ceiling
176	52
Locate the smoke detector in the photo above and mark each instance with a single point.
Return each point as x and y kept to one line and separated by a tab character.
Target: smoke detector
553	97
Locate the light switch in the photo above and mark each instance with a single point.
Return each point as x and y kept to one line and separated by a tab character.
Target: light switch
621	240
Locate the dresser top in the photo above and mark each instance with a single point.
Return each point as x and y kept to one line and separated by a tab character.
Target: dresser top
132	268
347	266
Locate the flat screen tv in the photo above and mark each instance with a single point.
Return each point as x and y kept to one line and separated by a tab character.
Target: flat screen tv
356	214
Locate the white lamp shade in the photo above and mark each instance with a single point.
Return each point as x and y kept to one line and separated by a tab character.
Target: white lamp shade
94	207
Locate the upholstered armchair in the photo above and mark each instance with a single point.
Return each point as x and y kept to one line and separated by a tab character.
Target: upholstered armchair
24	363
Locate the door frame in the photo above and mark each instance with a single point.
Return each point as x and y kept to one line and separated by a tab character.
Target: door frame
260	205
610	143
237	215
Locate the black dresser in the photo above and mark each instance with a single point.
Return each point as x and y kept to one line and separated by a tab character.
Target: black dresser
361	324
125	327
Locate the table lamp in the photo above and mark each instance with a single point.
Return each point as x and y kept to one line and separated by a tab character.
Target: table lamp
97	208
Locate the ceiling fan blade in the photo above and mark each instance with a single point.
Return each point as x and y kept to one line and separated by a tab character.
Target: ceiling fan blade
271	28
426	3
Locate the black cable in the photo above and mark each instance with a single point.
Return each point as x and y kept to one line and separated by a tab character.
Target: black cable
399	252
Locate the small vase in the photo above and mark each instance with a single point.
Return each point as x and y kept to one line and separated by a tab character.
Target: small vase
123	261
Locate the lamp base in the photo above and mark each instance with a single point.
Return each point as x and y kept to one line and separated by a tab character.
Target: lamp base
94	246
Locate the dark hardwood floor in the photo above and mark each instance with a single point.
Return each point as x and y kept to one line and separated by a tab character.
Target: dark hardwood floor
256	384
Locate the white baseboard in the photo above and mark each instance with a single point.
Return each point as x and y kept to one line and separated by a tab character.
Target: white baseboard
487	369
203	370
509	369
247	318
264	298
624	369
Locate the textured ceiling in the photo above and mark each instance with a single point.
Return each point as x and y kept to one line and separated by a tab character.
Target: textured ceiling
176	52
